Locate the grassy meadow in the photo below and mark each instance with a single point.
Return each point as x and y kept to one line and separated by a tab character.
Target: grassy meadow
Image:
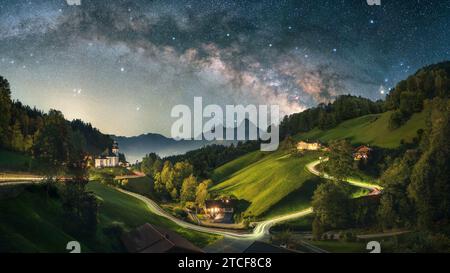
266	179
372	130
13	161
33	222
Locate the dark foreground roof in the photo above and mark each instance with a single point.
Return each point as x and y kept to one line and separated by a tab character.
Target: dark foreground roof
151	239
261	247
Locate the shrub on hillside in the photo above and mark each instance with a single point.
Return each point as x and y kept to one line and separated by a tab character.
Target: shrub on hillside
114	229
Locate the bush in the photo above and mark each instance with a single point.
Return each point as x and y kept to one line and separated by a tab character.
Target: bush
114	230
317	229
396	120
180	213
49	187
349	237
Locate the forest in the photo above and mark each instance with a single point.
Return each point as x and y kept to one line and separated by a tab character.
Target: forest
48	136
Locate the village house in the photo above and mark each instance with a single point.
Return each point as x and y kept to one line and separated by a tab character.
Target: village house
152	239
220	210
303	145
109	158
362	153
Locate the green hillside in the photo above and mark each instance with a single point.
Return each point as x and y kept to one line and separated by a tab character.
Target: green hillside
370	129
223	172
119	207
32	222
14	161
265	180
277	183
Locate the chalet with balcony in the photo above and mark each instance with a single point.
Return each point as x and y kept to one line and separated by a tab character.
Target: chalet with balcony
307	146
220	210
362	153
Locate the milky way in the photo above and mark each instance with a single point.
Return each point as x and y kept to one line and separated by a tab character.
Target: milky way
123	65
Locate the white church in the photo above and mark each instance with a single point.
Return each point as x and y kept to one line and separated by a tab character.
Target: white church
109	158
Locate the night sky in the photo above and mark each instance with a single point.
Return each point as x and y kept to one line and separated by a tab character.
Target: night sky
122	65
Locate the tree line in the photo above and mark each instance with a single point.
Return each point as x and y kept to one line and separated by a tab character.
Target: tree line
206	159
416	188
45	135
60	147
408	96
175	182
327	116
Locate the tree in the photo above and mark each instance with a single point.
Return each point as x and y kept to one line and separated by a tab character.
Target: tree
340	159
430	184
5	110
77	145
80	208
396	119
166	178
202	194
396	208
188	190
107	178
331	205
416	187
317	229
53	144
181	170
159	186
289	144
151	164
122	157
17	139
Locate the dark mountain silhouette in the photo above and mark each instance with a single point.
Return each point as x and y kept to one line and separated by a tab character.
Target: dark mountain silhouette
136	147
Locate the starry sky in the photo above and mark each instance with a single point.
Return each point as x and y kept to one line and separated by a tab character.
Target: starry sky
122	65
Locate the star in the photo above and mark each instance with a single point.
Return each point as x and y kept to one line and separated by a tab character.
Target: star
189	49
77	91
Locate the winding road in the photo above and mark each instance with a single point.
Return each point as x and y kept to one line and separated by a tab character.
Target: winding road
260	230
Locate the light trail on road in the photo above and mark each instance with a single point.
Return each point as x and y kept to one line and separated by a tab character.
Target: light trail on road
260	230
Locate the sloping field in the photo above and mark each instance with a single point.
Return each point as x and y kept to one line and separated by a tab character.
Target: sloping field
370	129
265	182
33	222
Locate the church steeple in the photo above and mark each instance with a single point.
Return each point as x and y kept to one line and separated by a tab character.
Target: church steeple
115	148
